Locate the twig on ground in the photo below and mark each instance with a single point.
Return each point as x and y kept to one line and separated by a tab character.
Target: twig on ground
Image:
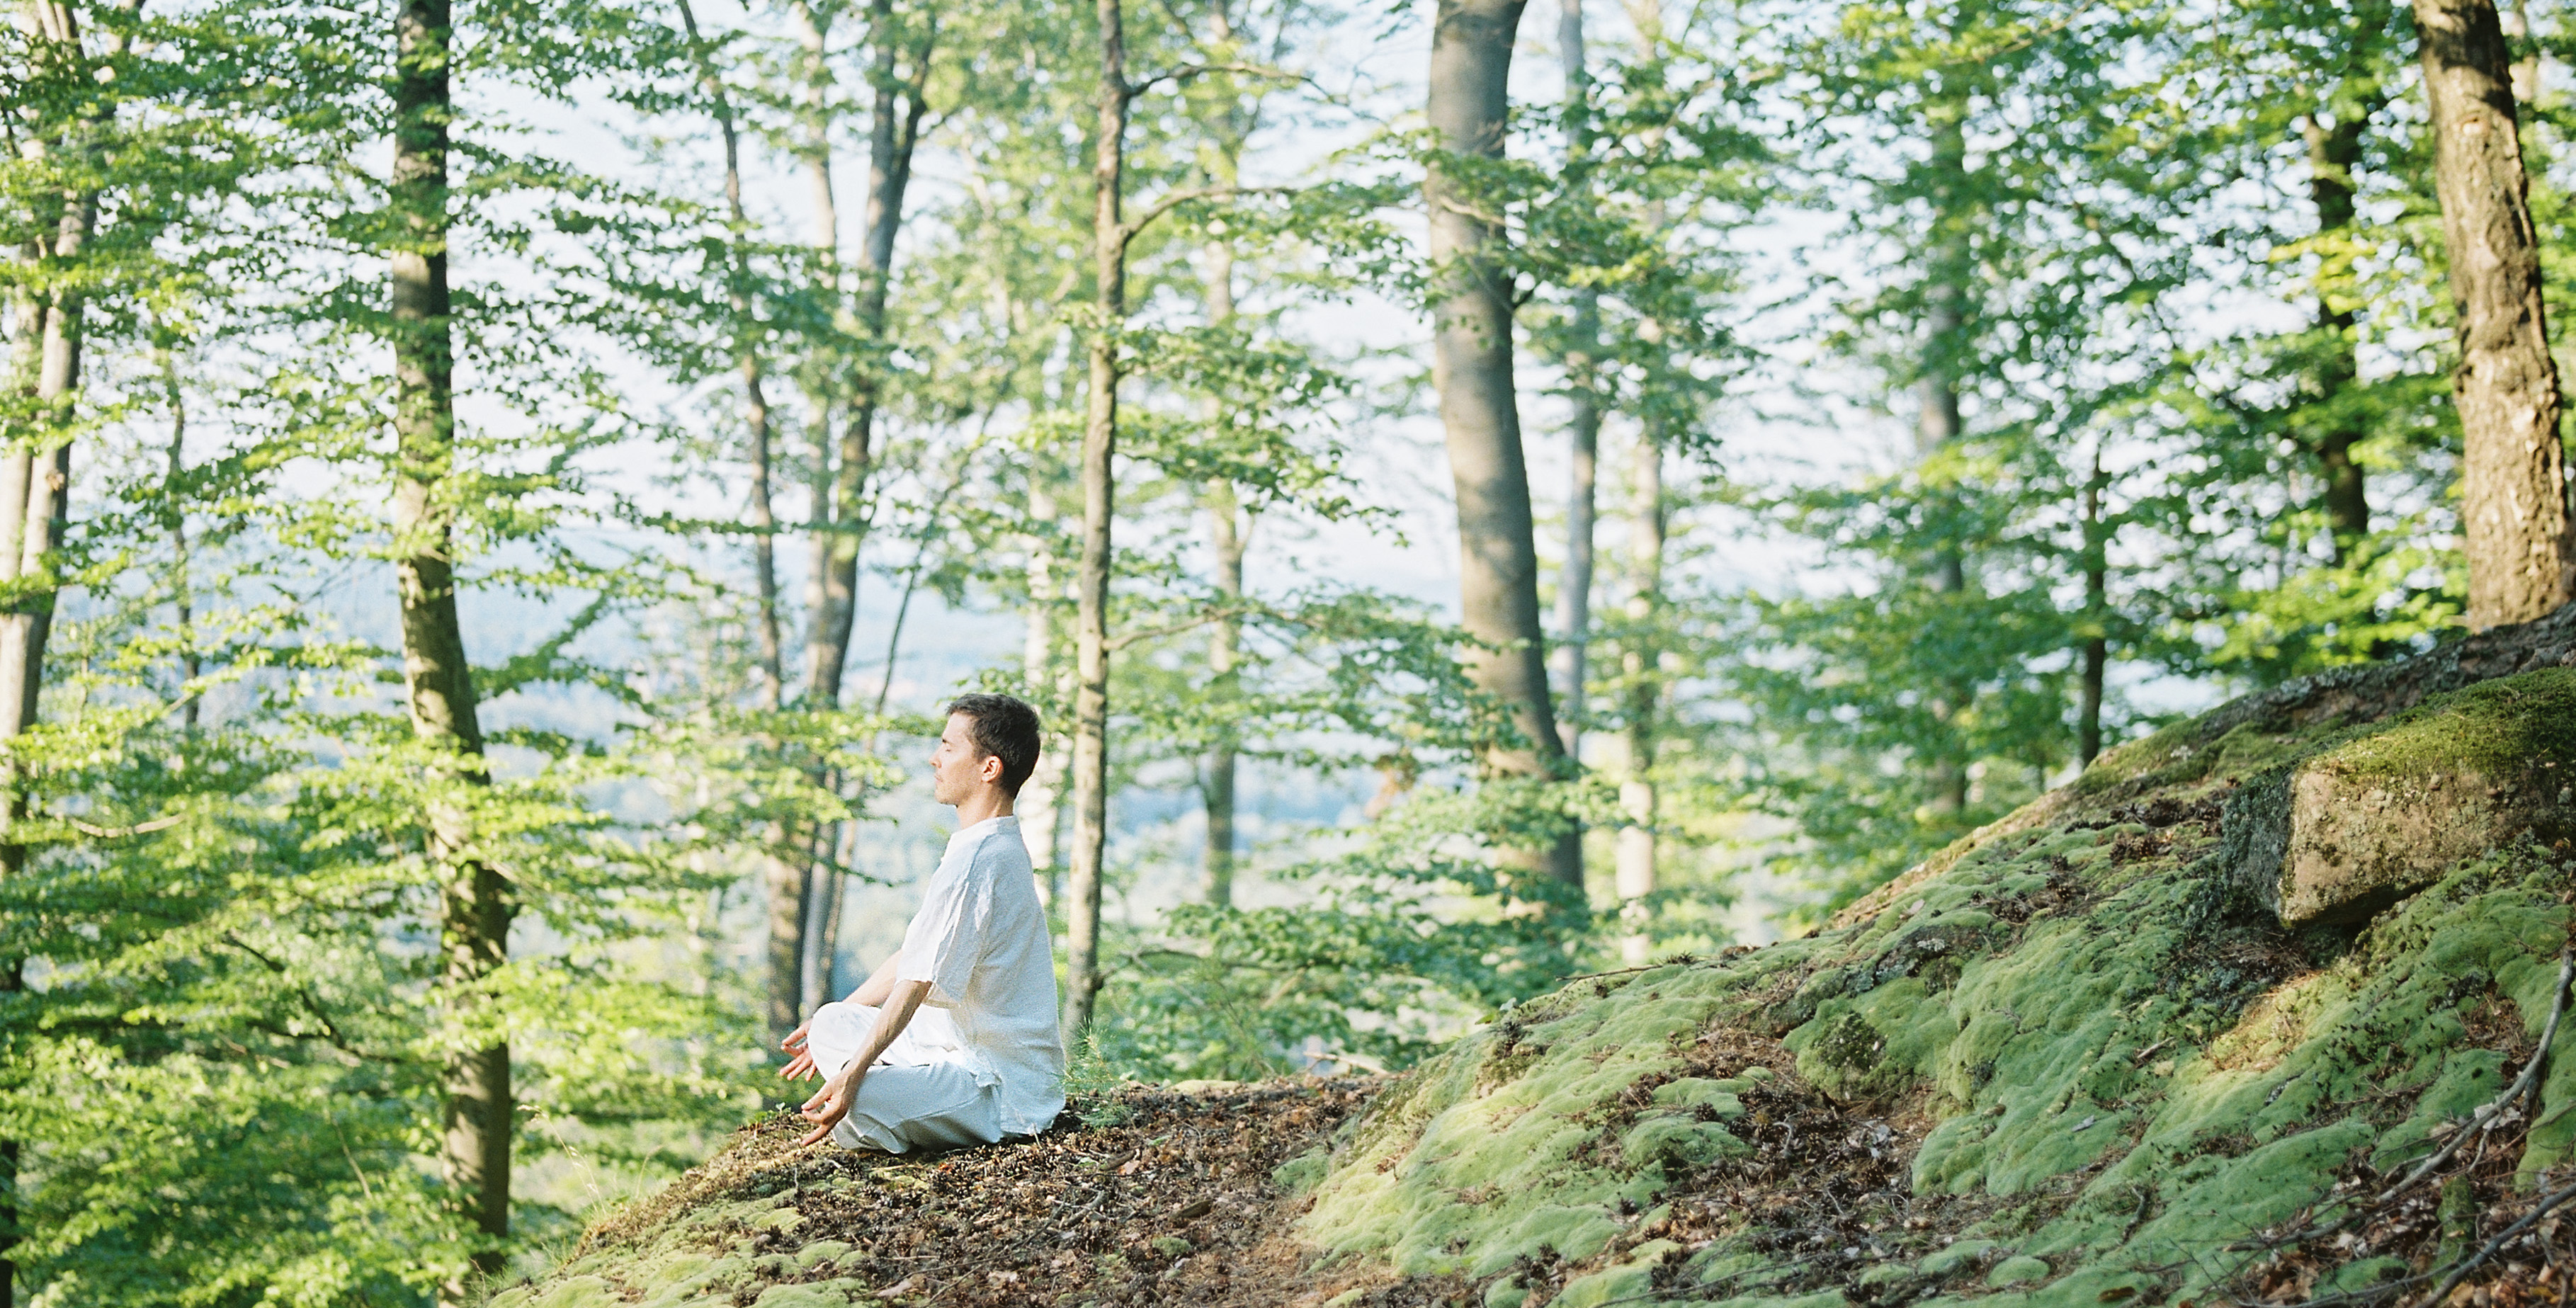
2496	1245
2490	1114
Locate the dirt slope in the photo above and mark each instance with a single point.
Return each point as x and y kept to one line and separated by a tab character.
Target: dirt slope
2076	1060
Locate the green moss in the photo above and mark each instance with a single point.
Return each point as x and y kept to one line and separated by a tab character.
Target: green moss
2496	728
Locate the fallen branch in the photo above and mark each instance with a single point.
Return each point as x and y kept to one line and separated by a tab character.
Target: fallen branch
2489	1115
2496	1245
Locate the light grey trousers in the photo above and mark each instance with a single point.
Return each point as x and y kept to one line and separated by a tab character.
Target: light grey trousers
912	1098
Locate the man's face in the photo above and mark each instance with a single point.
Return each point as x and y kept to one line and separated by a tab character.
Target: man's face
957	768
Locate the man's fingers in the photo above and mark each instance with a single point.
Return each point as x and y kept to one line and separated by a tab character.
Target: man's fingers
799	1068
817	1134
795	1039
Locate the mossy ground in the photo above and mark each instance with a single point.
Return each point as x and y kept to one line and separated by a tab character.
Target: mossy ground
2069	1062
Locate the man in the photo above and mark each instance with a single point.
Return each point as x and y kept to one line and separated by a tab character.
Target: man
953	1041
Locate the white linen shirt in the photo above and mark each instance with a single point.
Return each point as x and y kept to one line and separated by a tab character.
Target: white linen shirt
981	942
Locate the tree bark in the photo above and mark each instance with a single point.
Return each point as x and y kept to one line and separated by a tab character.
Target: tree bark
2521	553
1228	535
2097	644
25	525
1634	867
35	501
1583	433
786	886
17	468
894	131
439	684
1937	423
2333	152
1471	53
182	600
1091	584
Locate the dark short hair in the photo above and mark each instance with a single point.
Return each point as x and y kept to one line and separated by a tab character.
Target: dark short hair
1004	728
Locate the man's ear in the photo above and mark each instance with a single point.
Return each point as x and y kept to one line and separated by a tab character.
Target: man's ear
991	767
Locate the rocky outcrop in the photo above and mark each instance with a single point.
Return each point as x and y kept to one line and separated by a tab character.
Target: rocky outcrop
2373	813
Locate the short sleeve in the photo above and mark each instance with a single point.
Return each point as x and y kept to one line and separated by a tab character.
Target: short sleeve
946	936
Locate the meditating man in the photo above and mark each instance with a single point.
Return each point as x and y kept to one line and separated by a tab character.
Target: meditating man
953	1041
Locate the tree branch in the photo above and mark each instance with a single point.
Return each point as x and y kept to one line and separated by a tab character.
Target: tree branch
1185	72
112	833
1174	199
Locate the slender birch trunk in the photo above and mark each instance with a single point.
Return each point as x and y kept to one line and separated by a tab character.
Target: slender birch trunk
1583	432
1471	53
2333	152
17	469
35	497
1639	667
1091	584
439	684
2521	550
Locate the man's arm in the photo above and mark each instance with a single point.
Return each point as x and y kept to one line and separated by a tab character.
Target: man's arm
832	1103
871	992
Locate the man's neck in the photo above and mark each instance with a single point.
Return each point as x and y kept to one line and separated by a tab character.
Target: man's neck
983	806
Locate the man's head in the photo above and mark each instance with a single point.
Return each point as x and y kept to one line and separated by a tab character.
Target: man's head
990	740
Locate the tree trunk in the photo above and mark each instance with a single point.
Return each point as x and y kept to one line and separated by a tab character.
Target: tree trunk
894	131
2097	595
1230	533
2522	556
182	600
1091	585
1583	434
1937	424
1038	801
45	367
2333	152
439	685
1635	858
17	467
1229	536
786	884
1471	54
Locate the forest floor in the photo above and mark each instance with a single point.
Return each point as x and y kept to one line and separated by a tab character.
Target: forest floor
2076	1059
1158	1197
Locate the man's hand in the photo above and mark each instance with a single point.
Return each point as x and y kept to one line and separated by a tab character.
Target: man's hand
831	1103
802	1065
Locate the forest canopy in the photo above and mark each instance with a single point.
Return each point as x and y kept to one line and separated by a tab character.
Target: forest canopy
496	496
